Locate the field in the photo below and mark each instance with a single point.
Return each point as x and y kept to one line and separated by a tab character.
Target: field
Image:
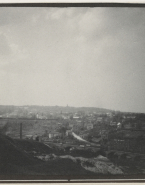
30	127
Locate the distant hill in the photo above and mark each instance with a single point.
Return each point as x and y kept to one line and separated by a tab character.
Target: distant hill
11	108
84	109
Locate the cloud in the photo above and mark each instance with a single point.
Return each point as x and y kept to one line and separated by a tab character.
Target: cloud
79	56
4	47
11	16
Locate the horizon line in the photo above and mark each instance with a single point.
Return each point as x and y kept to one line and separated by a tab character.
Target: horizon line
76	107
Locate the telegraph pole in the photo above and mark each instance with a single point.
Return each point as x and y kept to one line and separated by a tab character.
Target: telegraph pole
20	130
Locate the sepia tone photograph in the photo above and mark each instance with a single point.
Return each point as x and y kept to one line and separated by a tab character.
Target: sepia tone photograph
72	92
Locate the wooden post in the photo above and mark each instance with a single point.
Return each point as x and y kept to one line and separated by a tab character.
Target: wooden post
20	130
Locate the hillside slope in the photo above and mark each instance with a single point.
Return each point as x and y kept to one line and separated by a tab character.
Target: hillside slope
18	157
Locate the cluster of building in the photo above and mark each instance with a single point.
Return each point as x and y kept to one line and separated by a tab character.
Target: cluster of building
89	125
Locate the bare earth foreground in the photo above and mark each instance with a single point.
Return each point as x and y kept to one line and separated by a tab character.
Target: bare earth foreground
25	159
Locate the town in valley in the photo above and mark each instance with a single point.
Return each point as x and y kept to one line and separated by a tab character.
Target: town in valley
75	132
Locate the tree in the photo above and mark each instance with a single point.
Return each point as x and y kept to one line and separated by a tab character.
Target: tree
139	125
71	117
62	130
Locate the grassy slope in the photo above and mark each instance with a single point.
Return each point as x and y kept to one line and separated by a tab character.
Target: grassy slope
14	159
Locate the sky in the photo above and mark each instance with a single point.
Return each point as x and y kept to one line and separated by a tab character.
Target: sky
83	57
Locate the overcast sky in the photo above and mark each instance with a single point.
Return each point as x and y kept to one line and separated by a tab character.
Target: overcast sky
77	56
